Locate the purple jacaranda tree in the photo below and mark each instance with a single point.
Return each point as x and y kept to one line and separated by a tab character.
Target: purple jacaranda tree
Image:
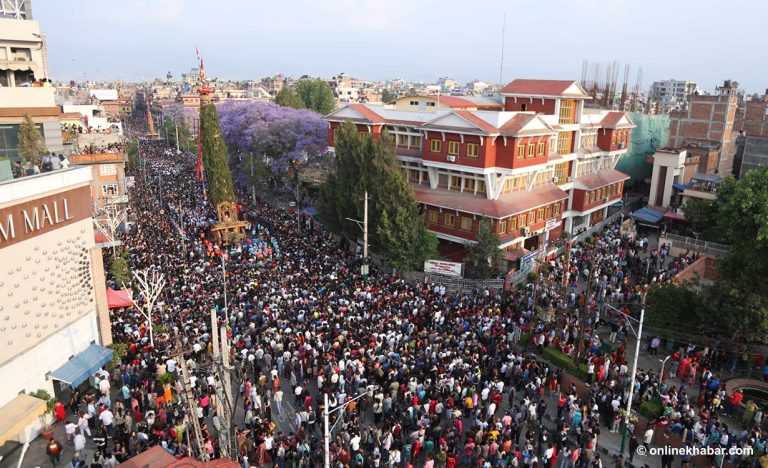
290	141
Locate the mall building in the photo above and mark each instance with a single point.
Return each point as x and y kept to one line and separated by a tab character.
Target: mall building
54	321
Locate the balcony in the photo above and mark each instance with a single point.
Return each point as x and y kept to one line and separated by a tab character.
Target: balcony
28	97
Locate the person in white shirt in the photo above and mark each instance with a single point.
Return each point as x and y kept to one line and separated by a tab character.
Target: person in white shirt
104	386
106	417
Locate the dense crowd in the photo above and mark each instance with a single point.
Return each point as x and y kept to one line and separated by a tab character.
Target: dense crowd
415	375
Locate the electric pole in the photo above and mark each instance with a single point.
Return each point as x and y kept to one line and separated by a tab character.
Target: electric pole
364	226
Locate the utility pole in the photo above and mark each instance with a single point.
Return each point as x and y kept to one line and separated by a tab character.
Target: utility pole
584	312
632	382
177	134
326	417
215	334
364	226
224	275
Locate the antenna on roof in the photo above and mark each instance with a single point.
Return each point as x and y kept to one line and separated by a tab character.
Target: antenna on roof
501	64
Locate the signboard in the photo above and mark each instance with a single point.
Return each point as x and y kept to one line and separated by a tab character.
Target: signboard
440	267
551	224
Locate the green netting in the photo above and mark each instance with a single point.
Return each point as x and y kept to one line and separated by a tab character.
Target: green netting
651	132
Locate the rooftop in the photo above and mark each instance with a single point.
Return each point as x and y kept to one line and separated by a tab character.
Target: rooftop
507	205
553	88
33	186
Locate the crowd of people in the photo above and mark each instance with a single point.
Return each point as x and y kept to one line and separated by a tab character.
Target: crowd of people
414	375
115	147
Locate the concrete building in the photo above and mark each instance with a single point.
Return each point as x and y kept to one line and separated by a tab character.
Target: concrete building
541	166
752	141
108	178
95	116
23	52
54	319
709	121
671	94
432	103
679	175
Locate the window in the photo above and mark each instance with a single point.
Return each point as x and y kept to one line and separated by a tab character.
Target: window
549	211
523	107
512	225
480	186
540	152
402	140
532	217
566	111
449	219
561	173
107	169
435	146
442	180
430	104
471	150
502	227
466	223
432	216
523	222
453	148
557	209
541	214
469	185
109	190
414	103
531	150
415	141
455	182
564	143
413	175
521	151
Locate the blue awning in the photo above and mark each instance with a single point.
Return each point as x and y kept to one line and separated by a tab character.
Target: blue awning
311	210
648	215
78	369
679	186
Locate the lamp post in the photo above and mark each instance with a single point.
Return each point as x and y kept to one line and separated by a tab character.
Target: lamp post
326	415
224	276
663	363
639	334
364	226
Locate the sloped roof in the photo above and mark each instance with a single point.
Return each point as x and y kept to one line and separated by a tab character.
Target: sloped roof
506	205
614	119
155	456
599	179
565	88
372	116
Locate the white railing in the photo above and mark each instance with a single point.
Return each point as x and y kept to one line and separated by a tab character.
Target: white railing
694	245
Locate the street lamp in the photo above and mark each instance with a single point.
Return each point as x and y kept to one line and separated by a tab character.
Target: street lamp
364	226
326	414
639	335
663	362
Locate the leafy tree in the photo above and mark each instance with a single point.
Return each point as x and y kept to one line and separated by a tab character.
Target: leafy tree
217	173
702	217
291	142
388	96
675	307
365	164
31	143
119	267
316	95
287	98
485	254
739	217
132	151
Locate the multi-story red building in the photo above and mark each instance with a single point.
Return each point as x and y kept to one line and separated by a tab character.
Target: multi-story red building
542	165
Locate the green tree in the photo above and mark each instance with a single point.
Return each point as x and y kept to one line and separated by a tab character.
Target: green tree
739	217
702	217
365	164
132	152
217	173
316	94
485	254
186	142
388	96
31	143
287	98
673	307
119	267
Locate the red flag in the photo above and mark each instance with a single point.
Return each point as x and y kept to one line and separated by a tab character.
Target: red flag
199	149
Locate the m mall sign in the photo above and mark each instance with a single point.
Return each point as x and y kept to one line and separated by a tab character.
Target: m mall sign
32	218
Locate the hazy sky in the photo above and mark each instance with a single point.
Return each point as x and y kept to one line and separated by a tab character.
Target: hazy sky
701	40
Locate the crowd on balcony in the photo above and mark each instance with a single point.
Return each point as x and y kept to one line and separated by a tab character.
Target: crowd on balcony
48	162
116	147
76	129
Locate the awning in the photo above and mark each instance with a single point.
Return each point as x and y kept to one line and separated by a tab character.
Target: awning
17	414
121	298
17	65
674	216
707	177
648	215
680	186
310	210
78	369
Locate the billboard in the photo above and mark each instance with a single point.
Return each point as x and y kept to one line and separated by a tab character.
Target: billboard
440	267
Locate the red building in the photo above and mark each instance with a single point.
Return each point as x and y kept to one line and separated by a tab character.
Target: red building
542	165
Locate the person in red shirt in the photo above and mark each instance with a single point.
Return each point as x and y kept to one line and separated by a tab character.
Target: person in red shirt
734	401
